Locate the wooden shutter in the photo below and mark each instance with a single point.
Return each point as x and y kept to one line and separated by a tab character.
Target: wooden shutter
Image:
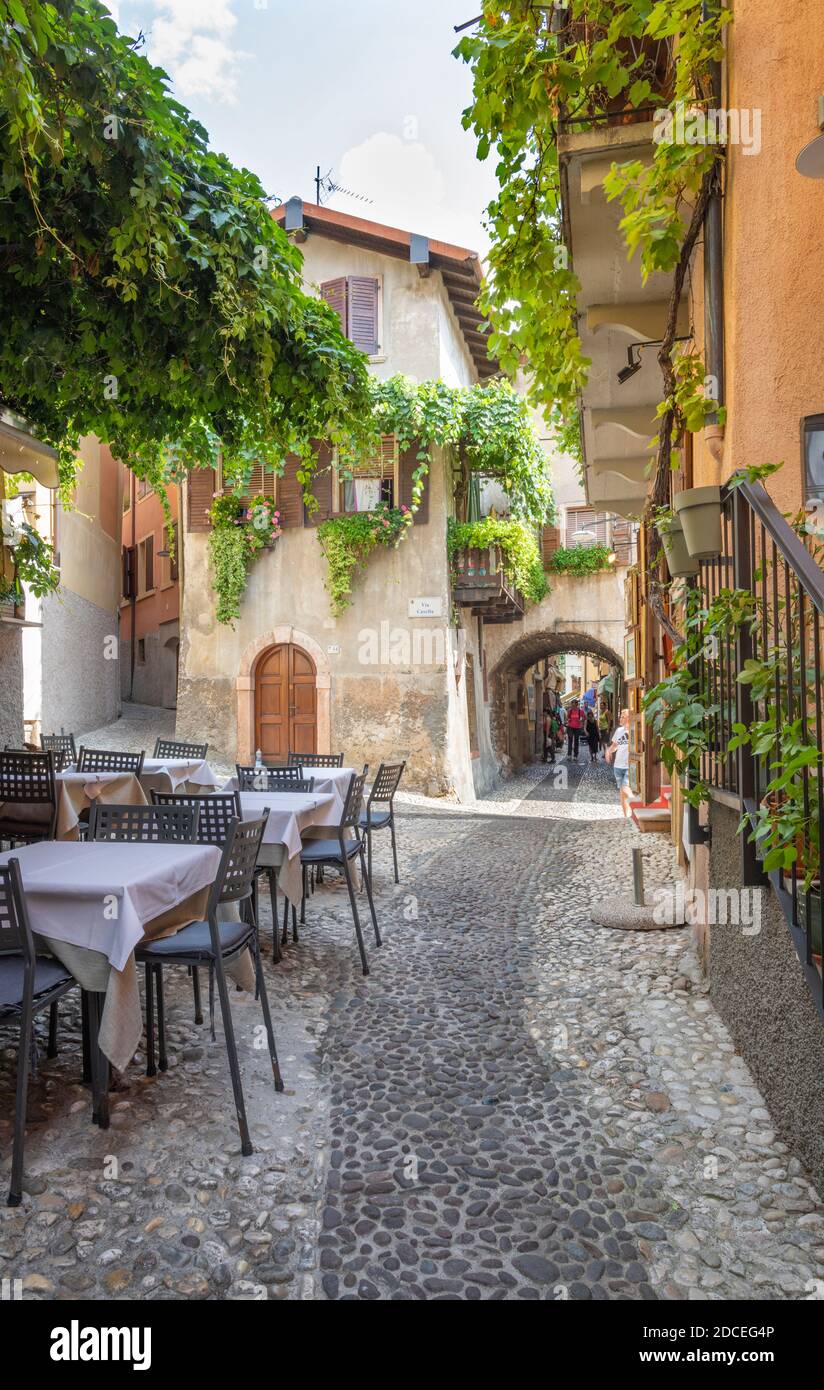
129	560
408	464
362	296
261	483
289	494
622	541
148	564
322	486
200	495
334	292
550	542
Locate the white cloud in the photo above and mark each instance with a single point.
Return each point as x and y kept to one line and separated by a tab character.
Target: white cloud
192	40
407	188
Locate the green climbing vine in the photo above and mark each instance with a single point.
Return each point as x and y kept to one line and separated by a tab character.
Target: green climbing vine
580	560
348	541
239	532
520	553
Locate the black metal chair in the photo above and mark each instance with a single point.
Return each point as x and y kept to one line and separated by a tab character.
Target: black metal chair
29	983
62	746
339	853
387	779
266	779
28	801
316	760
109	760
144	824
172	748
215	943
150	825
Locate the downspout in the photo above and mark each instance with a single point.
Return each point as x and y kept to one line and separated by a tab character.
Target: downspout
714	277
132	595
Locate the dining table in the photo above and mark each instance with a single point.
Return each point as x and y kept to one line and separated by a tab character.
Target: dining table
90	903
329	781
291	816
76	791
193	775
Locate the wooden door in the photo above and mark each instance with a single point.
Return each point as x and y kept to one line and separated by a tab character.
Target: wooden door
285	703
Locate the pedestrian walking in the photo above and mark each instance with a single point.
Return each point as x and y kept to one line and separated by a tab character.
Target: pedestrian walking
574	727
593	735
618	755
604	727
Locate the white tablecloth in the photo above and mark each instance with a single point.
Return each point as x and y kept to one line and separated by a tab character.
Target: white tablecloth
101	896
331	781
194	774
291	814
77	790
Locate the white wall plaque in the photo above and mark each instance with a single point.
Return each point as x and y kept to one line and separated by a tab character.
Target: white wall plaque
333	650
425	607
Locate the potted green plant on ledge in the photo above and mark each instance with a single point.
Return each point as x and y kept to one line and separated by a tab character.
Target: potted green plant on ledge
239	532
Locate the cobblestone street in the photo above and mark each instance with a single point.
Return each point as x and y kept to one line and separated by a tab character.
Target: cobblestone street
515	1104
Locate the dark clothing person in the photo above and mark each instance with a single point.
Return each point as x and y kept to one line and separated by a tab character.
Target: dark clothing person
593	736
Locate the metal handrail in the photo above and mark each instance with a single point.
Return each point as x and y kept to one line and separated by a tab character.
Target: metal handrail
792	549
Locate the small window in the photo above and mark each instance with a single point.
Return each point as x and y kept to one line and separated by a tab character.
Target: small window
371	481
169	562
141	650
813	442
145	566
144	487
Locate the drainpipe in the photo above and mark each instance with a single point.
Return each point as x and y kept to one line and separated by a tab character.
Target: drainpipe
714	277
133	595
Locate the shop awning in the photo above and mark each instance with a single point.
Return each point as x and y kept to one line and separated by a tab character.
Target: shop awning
606	686
20	452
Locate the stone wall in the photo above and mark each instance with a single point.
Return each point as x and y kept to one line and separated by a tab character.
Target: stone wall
757	985
11	686
80	668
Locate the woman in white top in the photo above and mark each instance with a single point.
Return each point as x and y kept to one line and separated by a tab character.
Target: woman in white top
618	755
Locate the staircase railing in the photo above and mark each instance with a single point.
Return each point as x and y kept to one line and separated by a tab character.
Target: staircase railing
782	646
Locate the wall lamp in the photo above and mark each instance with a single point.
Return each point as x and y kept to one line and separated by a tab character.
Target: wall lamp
634	363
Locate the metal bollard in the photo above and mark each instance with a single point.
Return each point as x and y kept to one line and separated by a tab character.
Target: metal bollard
638	877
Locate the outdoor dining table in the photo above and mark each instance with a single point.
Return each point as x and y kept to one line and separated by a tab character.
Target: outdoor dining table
192	775
91	903
77	790
332	781
291	815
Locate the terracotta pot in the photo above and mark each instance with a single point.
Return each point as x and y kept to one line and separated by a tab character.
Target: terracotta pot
699	511
679	562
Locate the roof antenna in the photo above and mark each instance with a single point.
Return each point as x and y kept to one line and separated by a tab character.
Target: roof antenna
324	183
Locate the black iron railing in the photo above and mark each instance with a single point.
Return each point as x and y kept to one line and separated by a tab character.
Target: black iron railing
776	776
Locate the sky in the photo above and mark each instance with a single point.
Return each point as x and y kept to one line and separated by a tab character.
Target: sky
366	88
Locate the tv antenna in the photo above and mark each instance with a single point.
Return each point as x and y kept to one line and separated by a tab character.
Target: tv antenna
325	183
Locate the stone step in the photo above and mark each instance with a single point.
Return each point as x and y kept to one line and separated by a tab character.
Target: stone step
652	818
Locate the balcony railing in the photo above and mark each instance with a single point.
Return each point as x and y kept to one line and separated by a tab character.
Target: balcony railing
480	583
780	650
653	60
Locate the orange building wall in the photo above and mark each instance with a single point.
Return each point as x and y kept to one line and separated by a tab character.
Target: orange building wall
774	271
145	517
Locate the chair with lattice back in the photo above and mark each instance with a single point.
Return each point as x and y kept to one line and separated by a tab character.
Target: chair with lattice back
109	760
29	983
316	760
144	824
379	813
173	748
216	943
265	779
28	801
62	746
339	852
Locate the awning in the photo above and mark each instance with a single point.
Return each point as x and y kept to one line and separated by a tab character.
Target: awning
20	452
606	686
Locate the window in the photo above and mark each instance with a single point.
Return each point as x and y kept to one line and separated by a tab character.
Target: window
145	566
814	456
169	563
585	519
129	558
143	488
373	480
355	299
141	650
174	559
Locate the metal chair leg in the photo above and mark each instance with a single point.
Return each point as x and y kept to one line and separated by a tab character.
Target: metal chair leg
285	933
16	1185
100	1065
294	923
267	1017
368	880
212	1003
369	848
272	876
151	1067
356	919
163	1061
84	1027
305	889
394	848
231	1049
51	1050
196	993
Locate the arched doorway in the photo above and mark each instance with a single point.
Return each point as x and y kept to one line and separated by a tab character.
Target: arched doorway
286	702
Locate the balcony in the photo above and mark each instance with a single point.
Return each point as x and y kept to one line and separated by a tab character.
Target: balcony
481	584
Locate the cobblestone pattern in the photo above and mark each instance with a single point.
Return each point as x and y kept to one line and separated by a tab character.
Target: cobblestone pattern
514	1105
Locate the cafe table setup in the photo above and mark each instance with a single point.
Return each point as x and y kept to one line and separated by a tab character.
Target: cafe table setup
333	781
178	775
77	790
291	816
91	902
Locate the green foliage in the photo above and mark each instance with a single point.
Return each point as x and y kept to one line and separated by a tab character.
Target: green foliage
526	80
348	541
520	553
32	560
147	296
238	534
580	560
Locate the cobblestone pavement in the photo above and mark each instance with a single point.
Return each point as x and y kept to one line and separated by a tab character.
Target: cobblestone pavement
514	1105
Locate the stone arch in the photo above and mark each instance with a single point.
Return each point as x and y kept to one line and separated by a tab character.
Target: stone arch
245	686
524	652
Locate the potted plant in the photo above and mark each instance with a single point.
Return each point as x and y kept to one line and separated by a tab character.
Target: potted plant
679	562
699	511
